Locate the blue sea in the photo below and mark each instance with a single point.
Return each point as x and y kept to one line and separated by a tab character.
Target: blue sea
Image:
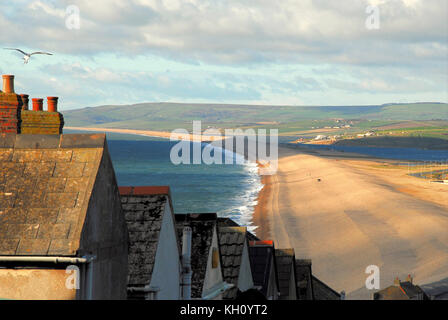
229	190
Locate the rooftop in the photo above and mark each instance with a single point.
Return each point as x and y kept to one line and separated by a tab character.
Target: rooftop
203	226
231	242
45	185
285	265
143	208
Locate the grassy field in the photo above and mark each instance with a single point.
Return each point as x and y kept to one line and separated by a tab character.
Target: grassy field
421	119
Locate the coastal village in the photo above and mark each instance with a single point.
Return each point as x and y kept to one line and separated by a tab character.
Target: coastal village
69	231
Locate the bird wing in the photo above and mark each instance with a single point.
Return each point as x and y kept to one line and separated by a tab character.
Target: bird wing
16	50
40	52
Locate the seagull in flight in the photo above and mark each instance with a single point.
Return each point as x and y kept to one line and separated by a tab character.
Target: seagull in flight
27	56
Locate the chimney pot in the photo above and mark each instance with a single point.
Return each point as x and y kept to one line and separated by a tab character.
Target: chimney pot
38	104
52	104
25	101
8	83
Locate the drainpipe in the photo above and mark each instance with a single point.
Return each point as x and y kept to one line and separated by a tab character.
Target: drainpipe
43	259
186	263
221	288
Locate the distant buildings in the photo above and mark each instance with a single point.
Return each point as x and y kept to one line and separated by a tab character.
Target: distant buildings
401	290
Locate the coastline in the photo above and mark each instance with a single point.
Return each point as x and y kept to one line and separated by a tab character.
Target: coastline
260	216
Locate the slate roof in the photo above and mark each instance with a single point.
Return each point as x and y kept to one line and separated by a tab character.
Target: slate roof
227	222
436	290
143	208
231	244
203	226
261	254
45	186
285	259
323	291
406	290
304	279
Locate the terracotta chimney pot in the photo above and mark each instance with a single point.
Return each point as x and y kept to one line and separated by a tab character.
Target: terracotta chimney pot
8	83
25	100
38	104
52	104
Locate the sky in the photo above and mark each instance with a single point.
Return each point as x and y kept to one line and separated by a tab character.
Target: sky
288	52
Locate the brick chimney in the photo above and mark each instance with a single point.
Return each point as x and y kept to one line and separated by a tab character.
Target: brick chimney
10	106
38	104
8	83
25	101
52	104
409	278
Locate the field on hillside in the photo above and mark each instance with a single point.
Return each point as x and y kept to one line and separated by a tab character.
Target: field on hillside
421	119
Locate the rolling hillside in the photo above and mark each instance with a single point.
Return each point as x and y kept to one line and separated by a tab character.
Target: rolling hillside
289	119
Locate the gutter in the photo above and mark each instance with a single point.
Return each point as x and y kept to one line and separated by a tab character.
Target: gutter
55	260
223	287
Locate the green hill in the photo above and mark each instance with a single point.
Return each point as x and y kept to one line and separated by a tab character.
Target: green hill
169	116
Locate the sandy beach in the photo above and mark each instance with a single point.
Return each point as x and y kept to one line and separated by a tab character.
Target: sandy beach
362	212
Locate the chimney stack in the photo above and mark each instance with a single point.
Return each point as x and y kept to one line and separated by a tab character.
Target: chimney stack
397	282
38	104
25	101
52	104
409	278
8	83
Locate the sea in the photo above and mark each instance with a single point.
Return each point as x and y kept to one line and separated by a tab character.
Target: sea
228	190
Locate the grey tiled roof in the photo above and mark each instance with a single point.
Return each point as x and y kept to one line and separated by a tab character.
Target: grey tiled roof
144	215
323	291
227	222
231	243
304	279
261	258
285	264
203	226
436	290
45	185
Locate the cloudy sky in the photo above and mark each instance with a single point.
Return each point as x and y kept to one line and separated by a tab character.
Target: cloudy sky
294	52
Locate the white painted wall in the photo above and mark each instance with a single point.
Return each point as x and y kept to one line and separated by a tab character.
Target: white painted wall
245	279
213	277
272	293
292	285
166	273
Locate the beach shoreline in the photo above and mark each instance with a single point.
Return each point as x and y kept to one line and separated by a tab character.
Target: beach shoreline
346	212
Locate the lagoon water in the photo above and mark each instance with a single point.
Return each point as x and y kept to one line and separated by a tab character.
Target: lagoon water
410	154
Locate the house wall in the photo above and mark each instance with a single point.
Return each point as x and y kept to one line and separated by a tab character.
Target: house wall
213	276
167	267
245	279
292	284
105	235
272	292
35	284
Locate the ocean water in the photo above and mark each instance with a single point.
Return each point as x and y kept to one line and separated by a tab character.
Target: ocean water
229	190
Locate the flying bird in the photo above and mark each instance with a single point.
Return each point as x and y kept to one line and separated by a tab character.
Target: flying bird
27	56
